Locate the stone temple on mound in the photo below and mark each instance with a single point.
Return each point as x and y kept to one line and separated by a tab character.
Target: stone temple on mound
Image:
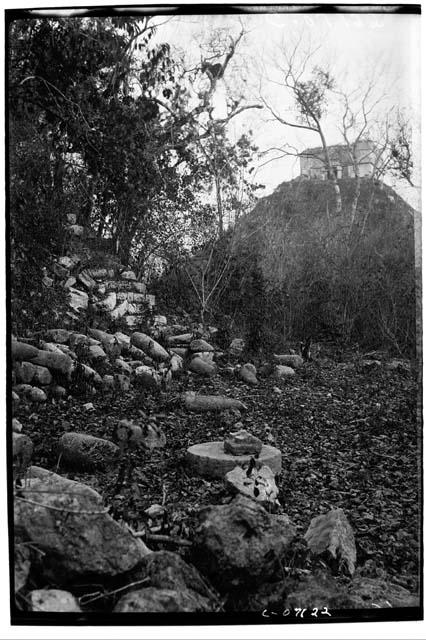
313	165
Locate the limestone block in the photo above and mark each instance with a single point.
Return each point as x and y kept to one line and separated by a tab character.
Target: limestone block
54	600
133	321
109	302
241	443
289	360
120	311
128	275
209	459
23	351
199	345
259	484
76	534
78	299
97	353
86	280
281	371
24	371
247	374
42	375
83	451
236	347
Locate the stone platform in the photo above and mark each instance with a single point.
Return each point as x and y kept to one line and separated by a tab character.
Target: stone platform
209	459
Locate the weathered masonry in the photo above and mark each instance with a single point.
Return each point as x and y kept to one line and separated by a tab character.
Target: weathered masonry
313	164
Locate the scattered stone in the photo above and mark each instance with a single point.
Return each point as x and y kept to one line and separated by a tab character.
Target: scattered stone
77	339
120	311
258	485
16	425
51	346
72	218
23	351
122	382
48	282
209	459
237	347
97	353
69	282
201	403
239	544
179	351
162	601
22	447
240	443
23	390
290	360
123	366
282	371
128	275
24	371
89	374
332	535
86	280
139	287
123	340
54	600
42	375
176	363
109	342
198	346
133	322
15	400
37	395
108	382
133	309
247	374
202	367
147	377
57	362
78	299
98	274
110	302
183	338
83	451
277	390
160	321
89	406
58	392
149	346
68	522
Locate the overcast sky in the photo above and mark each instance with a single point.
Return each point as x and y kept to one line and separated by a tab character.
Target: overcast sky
355	47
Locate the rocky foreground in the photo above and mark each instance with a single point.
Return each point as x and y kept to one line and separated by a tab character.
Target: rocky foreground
106	495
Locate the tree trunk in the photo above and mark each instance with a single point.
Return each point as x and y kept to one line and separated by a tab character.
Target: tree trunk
219	203
331	174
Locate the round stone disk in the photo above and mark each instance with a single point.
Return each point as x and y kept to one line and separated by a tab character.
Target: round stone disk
209	460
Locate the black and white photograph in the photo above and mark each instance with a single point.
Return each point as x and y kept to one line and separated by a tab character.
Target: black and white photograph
214	315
